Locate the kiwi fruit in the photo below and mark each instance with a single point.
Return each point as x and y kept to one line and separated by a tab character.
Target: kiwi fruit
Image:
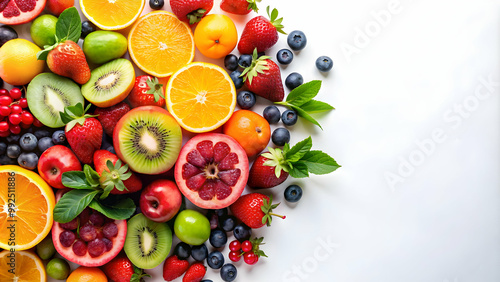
48	94
147	243
110	83
148	139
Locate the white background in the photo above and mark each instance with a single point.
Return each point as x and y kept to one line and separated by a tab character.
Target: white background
405	72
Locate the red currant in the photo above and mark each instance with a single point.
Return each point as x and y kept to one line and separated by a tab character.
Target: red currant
250	258
16	109
37	123
15	93
4	126
23	103
15	129
246	246
5	100
235	245
27	117
25	126
15	119
4	111
235	256
4	92
4	133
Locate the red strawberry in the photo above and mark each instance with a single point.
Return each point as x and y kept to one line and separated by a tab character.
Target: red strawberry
147	91
83	132
195	273
174	267
191	10
260	33
263	78
67	59
263	176
111	115
129	181
239	7
120	269
254	209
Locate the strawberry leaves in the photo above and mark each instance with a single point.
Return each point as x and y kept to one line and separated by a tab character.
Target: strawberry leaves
273	18
73	115
267	208
252	5
155	88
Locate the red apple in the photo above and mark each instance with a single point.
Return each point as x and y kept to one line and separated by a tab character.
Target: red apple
56	7
160	200
54	162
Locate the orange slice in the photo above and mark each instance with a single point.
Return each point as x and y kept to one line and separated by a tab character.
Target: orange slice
112	14
160	44
21	266
26	205
201	97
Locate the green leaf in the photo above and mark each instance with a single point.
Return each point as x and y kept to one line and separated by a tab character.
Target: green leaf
314	106
91	175
299	150
72	204
75	180
304	93
107	190
299	170
69	25
303	114
113	208
318	162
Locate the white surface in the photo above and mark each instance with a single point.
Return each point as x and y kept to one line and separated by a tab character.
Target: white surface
440	221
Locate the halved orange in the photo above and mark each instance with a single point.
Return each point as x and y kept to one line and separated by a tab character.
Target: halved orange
26	205
160	44
21	266
112	14
201	97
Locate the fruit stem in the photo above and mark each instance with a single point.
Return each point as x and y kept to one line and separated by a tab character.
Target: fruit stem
278	215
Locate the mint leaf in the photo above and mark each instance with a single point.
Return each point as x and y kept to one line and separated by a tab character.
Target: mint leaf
72	204
91	175
114	208
69	25
304	93
303	114
299	150
75	180
318	162
299	170
314	106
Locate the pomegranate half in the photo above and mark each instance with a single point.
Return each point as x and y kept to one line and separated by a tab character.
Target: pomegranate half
13	12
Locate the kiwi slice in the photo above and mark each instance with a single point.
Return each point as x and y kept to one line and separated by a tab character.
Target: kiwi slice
110	83
48	94
147	243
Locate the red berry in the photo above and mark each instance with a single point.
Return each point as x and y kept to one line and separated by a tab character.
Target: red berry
4	92
4	126
37	123
5	100
23	103
246	246
4	134
235	246
15	93
15	129
24	126
235	256
4	111
16	109
27	117
15	119
250	258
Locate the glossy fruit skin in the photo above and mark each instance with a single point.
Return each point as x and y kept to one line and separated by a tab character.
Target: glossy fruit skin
133	184
228	272
58	269
227	223
294	80
28	160
119	269
45	143
7	33
182	251
161	200
85	139
250	258
109	117
245	99
43	30
199	253
280	136
215	36
246	246
258	33
235	245
28	142
297	40
324	64
191	227
195	272
139	96
18	62
156	4
215	260
102	46
262	176
45	249
272	114
245	60
218	238
248	209
87	28
174	268
250	129
56	7
242	232
235	256
59	137
231	62
68	60
293	193
284	56
54	162
12	15
289	117
184	8
237	79
268	84
238	7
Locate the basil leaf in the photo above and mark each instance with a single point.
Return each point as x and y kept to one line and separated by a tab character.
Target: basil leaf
304	93
315	106
303	114
299	170
299	150
75	180
69	25
122	209
318	162
72	204
91	175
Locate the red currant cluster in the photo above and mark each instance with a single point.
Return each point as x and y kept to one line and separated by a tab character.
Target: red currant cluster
14	113
249	250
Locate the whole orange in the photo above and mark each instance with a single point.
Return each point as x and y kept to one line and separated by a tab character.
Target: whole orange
215	36
87	274
250	129
18	62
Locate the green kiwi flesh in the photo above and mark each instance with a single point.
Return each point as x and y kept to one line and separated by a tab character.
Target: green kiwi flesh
147	243
48	94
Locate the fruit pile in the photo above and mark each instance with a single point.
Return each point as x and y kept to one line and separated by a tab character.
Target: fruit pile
118	144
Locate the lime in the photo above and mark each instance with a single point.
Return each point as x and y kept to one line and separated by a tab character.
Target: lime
43	30
192	227
46	249
58	269
103	46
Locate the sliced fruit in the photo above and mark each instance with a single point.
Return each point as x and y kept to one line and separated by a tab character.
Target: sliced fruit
110	83
20	11
160	44
18	62
148	243
212	170
148	139
201	97
48	94
112	15
29	200
27	267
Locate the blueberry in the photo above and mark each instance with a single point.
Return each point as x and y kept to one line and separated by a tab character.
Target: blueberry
294	80
156	4
231	62
5	160
13	151
297	40
45	143
39	134
182	250
206	280
3	148
293	193
227	222
213	218
7	33
272	114
218	238
242	232
221	212
28	142
284	56
280	136
28	160
228	272
13	138
289	117
59	137
245	61
215	260
246	99
324	64
87	27
110	149
237	80
199	253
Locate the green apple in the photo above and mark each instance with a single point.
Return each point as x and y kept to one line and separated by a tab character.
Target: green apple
192	227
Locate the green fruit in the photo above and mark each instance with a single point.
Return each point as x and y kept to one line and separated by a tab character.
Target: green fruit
45	249
43	30
103	46
192	227
58	269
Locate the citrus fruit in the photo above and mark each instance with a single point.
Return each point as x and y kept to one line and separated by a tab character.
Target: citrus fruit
87	274
102	46
18	63
201	97
250	129
192	227
160	44
215	36
28	204
20	11
27	267
112	15
43	30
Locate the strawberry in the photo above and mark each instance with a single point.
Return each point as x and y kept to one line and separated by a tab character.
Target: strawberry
174	267
191	10
115	174
260	33
67	59
254	209
83	132
195	272
263	176
263	77
120	269
147	91
239	7
109	116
